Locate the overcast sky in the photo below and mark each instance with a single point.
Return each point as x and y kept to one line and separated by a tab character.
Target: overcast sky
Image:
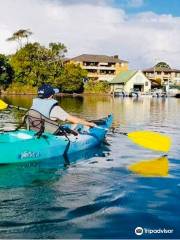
136	30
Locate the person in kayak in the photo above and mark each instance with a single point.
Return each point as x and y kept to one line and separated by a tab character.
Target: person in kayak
48	106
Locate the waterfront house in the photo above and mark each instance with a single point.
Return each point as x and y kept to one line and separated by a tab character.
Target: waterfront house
100	67
129	81
163	74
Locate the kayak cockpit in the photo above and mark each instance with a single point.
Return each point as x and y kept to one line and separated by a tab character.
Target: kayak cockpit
11	137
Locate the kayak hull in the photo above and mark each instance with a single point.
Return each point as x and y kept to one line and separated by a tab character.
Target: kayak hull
23	146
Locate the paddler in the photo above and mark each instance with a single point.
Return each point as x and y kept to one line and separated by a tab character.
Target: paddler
48	106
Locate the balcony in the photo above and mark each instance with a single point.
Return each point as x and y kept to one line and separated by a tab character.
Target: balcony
99	67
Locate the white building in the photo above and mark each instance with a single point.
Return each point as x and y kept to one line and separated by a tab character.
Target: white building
129	81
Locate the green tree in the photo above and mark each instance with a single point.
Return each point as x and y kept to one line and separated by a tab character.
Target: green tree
19	35
33	64
97	87
58	50
162	65
71	79
6	71
57	53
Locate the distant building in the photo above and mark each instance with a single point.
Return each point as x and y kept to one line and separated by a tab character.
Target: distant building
129	81
163	74
100	67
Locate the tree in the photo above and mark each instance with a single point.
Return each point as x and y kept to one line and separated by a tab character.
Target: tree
6	71
71	79
30	64
97	87
19	35
58	50
35	64
162	65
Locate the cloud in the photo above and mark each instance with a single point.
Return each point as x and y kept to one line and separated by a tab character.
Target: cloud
86	27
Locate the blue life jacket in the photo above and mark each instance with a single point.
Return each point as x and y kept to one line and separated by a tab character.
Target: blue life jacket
44	106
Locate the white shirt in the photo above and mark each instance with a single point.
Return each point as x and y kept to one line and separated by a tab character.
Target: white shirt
58	113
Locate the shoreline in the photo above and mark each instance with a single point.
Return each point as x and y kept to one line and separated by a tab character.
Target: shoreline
59	94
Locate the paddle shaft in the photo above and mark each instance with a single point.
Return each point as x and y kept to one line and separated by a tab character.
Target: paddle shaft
17	107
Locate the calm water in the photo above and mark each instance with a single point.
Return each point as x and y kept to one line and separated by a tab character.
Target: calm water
96	196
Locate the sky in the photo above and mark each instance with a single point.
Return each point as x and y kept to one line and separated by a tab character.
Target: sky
142	32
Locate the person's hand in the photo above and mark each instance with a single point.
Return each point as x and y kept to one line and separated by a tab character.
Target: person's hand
91	124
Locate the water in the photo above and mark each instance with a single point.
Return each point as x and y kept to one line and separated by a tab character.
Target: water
96	196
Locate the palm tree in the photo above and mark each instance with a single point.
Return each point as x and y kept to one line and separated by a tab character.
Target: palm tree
19	35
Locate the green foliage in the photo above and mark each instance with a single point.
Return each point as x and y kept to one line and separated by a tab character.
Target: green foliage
19	35
71	79
6	71
97	87
175	87
34	64
20	88
162	65
58	50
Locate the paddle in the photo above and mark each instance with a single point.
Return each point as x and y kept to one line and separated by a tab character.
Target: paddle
150	140
147	139
152	167
4	106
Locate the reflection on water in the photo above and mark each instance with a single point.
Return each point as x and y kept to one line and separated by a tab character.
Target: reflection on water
35	173
126	110
158	167
96	196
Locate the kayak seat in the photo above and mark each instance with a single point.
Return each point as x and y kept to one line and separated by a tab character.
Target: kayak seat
36	121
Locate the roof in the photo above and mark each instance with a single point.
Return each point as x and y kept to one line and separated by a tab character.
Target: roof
161	69
124	77
98	58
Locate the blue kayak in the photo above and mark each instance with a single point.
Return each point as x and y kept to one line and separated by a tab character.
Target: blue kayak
24	146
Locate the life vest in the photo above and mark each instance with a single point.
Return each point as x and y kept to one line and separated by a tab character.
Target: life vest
38	117
44	106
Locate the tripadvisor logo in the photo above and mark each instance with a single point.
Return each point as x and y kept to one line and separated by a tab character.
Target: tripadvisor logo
139	231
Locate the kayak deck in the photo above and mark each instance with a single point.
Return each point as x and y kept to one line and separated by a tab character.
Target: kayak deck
23	145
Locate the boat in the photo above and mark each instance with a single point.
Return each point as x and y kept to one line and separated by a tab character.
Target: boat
23	145
177	95
30	173
135	93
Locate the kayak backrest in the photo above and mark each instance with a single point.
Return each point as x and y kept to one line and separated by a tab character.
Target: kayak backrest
36	121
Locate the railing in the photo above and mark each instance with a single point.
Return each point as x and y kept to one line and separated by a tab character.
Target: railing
99	67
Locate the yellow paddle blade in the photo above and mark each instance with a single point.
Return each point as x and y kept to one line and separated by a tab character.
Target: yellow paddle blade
3	105
151	140
153	167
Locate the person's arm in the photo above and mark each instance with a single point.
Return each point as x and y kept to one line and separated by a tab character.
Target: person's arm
58	113
77	120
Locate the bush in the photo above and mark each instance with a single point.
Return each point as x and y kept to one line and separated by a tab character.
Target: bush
20	88
97	87
71	79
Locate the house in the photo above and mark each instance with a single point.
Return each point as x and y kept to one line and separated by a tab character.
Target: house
129	81
100	67
163	74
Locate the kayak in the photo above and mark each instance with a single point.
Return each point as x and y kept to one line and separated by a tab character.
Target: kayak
24	146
